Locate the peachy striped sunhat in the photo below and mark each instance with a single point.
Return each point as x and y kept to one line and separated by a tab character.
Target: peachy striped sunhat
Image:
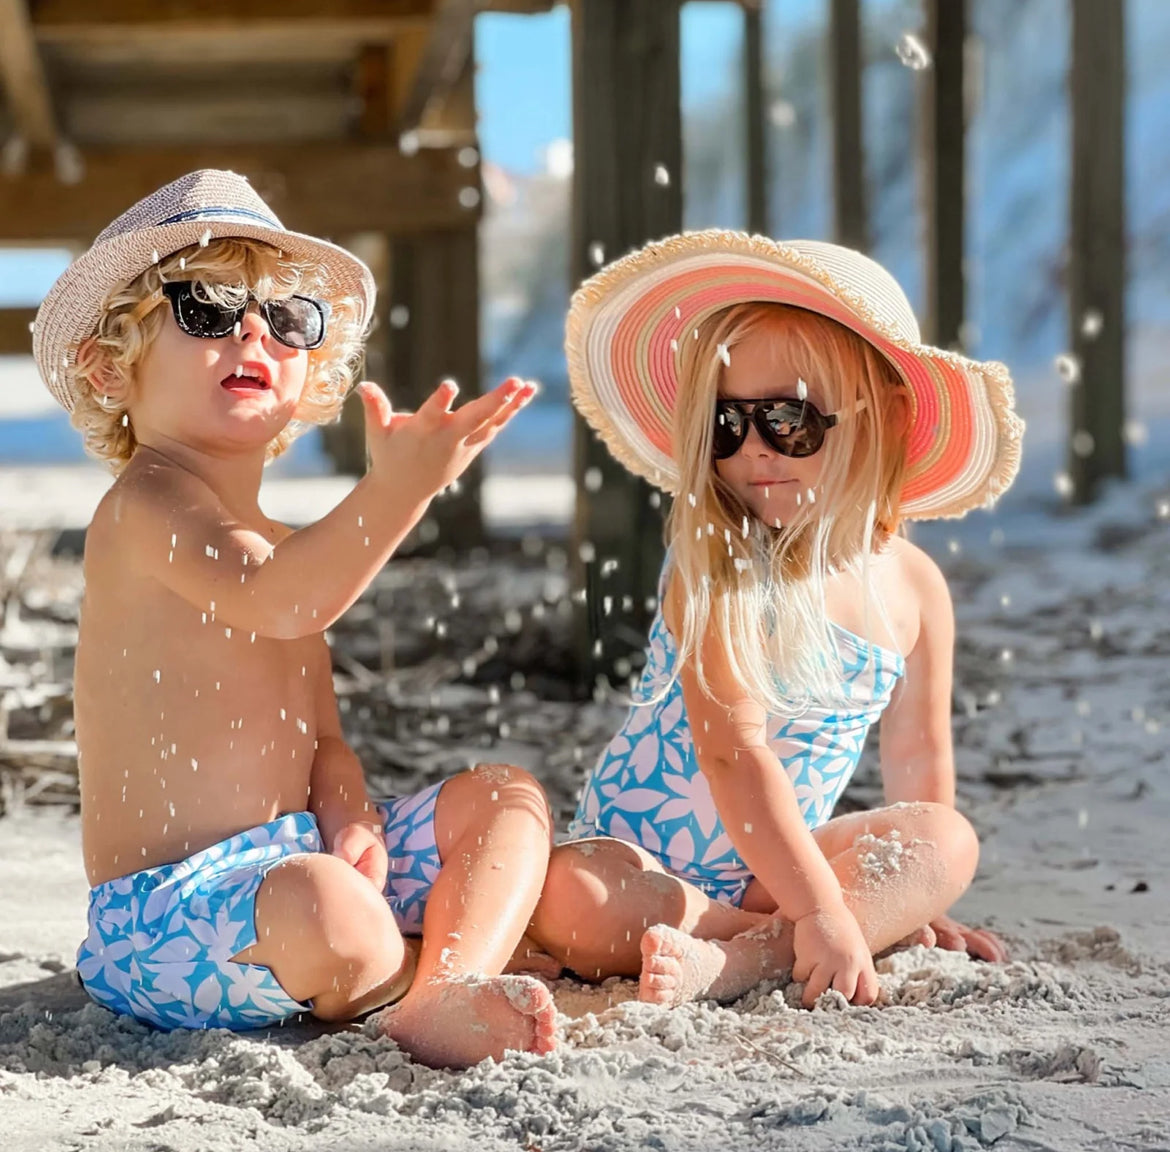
625	328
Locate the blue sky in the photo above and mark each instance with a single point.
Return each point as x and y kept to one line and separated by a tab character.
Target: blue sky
524	100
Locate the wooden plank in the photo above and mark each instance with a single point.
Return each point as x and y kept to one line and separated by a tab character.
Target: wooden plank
58	21
943	171
850	225
1097	245
15	334
325	189
754	115
445	59
627	130
22	77
432	312
73	20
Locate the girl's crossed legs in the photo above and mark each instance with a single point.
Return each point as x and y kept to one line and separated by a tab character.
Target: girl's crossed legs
609	909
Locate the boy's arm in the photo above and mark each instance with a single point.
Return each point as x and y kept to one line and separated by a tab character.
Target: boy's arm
182	535
917	755
346	817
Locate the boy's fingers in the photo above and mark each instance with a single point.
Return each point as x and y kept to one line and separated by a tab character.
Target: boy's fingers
491	427
478	412
439	402
375	402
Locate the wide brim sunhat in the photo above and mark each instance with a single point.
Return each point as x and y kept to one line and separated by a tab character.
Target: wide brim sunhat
627	323
196	208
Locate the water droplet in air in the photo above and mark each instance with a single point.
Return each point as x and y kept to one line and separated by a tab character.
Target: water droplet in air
912	52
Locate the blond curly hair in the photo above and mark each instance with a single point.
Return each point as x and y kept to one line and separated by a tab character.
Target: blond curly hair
227	271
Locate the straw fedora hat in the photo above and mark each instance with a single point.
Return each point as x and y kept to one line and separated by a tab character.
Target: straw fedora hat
626	323
198	207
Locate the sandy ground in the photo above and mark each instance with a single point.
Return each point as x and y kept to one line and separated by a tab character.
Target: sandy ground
1062	707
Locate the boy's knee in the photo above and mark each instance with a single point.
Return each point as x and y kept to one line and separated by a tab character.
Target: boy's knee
324	929
488	787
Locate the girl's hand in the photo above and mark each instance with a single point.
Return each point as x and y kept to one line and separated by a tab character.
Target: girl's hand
363	846
832	953
428	449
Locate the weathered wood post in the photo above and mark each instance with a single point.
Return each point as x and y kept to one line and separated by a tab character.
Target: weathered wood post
850	225
1097	245
627	129
754	105
943	168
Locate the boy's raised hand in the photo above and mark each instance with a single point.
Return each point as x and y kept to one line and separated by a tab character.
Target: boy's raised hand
430	448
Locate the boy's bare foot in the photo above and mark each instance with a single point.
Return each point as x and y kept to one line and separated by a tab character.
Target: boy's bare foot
457	1023
531	959
677	968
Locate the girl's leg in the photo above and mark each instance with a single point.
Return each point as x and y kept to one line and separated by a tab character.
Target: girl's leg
493	830
899	868
601	895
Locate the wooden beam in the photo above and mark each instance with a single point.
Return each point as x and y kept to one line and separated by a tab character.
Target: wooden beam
1097	245
627	176
445	59
943	171
324	189
58	21
849	208
432	315
22	77
15	334
72	20
757	137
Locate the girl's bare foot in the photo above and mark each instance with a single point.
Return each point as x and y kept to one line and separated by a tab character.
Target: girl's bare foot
677	968
458	1022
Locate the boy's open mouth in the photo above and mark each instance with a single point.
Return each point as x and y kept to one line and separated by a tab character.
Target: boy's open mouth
245	381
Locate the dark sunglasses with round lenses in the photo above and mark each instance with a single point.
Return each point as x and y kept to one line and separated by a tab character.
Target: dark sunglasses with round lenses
296	321
790	427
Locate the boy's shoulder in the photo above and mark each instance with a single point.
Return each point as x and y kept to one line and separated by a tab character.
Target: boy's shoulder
148	487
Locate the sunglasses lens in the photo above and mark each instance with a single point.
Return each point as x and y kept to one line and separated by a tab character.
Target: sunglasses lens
729	429
198	318
296	321
794	429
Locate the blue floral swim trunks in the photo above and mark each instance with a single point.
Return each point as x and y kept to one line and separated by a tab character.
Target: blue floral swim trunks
161	941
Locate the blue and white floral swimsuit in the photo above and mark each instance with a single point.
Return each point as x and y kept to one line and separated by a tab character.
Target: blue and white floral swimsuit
161	940
647	788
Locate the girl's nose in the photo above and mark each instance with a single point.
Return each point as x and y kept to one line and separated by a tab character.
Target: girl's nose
754	443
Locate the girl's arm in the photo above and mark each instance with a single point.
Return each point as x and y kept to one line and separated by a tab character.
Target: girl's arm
752	793
758	807
917	757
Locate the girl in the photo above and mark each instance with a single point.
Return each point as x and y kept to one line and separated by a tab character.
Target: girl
782	394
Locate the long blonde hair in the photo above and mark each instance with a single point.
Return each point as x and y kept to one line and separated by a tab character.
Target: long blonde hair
226	271
761	588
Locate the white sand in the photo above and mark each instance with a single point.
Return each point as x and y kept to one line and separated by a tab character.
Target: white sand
1064	1048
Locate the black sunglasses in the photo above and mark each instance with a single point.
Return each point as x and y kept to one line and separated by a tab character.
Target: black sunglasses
296	321
790	427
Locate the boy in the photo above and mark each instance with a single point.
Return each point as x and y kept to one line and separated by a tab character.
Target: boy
240	871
